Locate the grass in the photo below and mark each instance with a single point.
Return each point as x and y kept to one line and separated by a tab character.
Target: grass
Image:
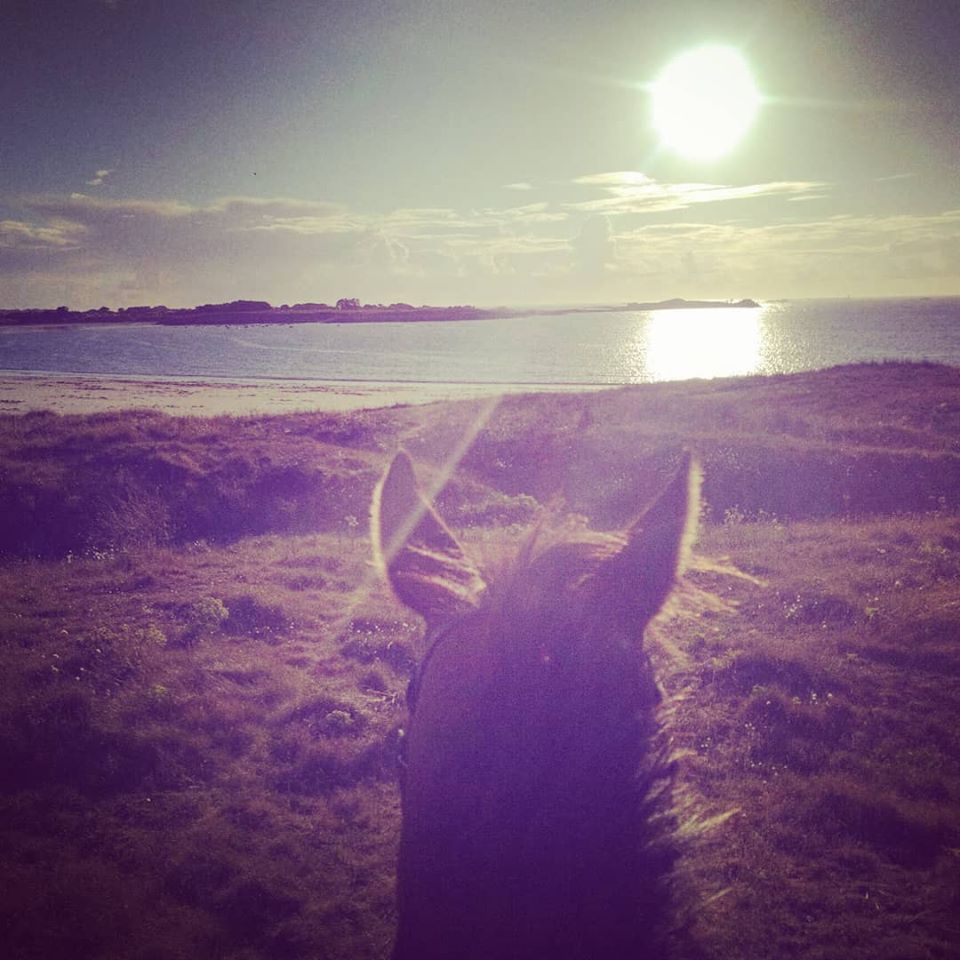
821	710
162	718
202	686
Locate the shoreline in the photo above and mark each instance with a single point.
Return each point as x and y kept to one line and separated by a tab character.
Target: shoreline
80	393
251	312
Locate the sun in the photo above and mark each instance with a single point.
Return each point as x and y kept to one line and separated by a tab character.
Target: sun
703	102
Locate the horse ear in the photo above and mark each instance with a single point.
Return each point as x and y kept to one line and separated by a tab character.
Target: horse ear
644	572
426	566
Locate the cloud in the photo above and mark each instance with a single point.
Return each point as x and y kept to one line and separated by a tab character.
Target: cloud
616	178
119	251
273	206
530	213
173	228
99	177
520	185
632	192
895	176
831	256
594	247
18	235
168	250
29	249
82	208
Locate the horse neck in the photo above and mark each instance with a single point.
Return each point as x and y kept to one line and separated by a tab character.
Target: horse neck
525	820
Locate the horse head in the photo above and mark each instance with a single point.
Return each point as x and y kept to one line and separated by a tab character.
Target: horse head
534	769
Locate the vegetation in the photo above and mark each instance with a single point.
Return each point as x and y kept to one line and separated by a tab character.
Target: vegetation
346	310
203	682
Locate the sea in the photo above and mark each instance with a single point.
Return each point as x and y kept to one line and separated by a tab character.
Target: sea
589	348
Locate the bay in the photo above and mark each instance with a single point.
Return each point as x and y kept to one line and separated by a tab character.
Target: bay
564	348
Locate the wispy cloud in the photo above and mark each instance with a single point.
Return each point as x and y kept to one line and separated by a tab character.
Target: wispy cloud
285	249
520	185
99	177
895	176
629	191
85	209
616	179
18	235
820	257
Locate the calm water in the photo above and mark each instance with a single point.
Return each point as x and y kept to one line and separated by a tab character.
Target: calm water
622	347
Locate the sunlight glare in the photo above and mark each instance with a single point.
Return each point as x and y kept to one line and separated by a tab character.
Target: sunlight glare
704	101
684	344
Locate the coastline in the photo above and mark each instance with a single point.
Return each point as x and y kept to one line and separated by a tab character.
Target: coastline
79	394
76	393
252	313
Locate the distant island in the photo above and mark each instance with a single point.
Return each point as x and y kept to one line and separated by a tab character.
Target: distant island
679	304
346	310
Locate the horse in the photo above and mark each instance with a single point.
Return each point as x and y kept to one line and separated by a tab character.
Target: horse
535	789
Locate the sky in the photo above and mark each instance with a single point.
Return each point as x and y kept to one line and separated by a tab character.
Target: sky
431	151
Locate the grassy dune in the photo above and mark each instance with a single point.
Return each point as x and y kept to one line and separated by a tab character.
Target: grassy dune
202	683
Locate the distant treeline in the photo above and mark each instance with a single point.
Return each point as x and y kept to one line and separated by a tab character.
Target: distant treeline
249	311
345	310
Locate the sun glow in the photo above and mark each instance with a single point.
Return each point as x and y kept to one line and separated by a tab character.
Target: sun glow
704	101
682	344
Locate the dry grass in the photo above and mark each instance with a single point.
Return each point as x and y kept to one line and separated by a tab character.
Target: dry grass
239	766
198	730
822	709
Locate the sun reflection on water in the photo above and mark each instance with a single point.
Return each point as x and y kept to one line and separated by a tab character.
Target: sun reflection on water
684	344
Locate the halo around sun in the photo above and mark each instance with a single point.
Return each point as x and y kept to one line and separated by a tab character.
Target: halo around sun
703	102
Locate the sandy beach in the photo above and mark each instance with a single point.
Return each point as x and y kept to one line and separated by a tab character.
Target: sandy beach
83	393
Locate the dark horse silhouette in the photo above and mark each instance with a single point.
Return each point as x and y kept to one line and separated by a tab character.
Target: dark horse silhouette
534	774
